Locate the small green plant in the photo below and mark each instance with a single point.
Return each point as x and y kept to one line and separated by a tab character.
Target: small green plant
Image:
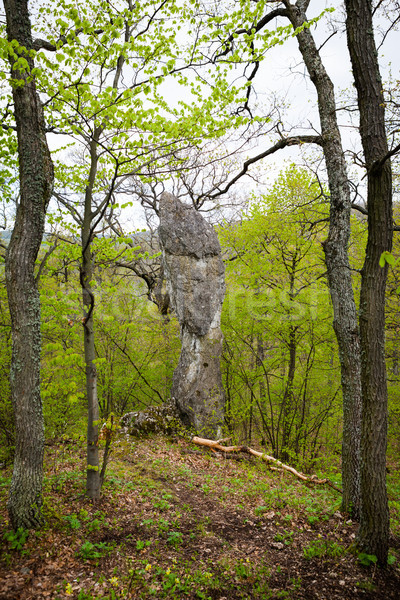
288	518
286	537
366	560
323	548
296	582
73	521
95	525
162	504
163	525
312	519
367	585
242	569
89	551
175	538
147	522
16	539
173	583
140	544
260	510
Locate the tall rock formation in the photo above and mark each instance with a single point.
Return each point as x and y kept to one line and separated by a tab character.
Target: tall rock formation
194	273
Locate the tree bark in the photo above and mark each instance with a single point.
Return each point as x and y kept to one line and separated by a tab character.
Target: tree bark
373	535
93	481
288	398
337	262
93	487
36	182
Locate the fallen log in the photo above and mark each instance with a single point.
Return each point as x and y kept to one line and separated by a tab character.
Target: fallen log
217	445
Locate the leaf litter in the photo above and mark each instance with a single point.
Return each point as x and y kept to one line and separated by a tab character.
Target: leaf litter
175	522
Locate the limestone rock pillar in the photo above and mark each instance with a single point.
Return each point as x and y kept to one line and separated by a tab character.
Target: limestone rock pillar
194	273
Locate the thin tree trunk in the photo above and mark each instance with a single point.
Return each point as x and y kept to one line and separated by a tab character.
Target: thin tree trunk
268	429
36	181
94	478
373	535
337	262
93	485
93	463
288	399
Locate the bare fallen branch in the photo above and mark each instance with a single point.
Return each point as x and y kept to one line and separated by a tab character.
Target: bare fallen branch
216	445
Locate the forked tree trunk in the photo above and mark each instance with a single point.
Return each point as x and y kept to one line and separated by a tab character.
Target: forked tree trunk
373	535
36	181
337	262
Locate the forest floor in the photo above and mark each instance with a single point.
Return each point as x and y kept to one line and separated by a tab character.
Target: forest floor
176	521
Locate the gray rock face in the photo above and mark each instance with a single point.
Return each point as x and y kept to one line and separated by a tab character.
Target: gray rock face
194	273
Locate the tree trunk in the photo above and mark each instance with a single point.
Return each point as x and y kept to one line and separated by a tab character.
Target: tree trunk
373	535
288	398
337	262
93	484
268	428
36	181
93	462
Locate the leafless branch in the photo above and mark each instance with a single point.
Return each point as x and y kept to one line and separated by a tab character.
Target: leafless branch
379	163
40	44
46	258
283	143
359	208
